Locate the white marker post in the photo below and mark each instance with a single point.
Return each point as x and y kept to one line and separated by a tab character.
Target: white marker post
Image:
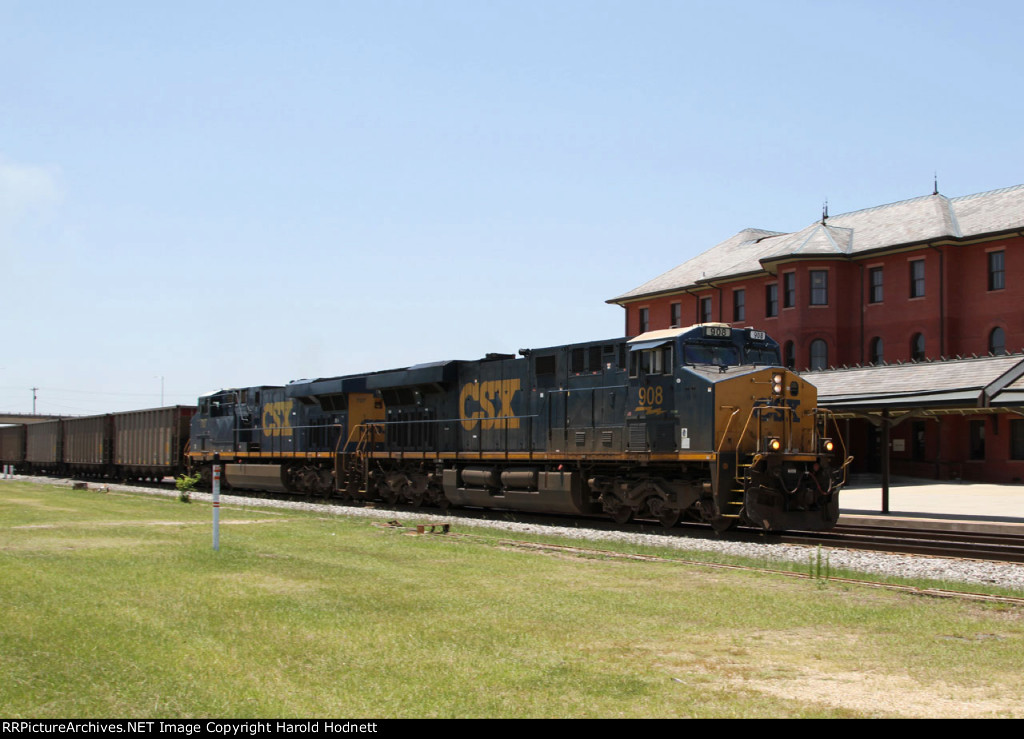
216	502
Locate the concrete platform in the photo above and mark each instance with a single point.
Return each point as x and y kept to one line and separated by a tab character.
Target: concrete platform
946	505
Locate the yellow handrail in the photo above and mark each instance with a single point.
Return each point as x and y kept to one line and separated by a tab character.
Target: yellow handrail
721	442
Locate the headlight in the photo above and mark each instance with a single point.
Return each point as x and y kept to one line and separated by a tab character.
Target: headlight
777	383
774	444
827	445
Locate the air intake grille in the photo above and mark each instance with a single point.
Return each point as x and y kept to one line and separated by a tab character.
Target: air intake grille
638	437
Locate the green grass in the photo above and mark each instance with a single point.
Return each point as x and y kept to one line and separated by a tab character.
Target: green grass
116	605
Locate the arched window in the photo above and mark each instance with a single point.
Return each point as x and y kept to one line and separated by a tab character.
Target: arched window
997	341
819	354
875	351
917	348
789	355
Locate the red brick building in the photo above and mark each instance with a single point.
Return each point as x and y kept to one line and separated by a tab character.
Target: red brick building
925	278
929	277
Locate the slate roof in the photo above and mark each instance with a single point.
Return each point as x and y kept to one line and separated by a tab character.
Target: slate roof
918	220
962	382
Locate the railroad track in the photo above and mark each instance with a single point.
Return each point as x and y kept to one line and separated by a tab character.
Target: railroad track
1008	547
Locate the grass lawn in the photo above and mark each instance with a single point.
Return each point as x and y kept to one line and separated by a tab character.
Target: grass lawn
115	605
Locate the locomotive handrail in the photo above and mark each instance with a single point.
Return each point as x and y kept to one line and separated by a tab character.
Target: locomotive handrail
364	430
725	431
746	425
554	390
450	420
828	414
347	461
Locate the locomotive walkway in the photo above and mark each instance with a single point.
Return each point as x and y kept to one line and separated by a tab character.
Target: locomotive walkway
956	504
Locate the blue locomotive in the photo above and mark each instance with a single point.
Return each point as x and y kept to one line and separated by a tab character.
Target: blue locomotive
698	422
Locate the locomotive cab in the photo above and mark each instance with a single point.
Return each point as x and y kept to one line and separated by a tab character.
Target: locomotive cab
672	378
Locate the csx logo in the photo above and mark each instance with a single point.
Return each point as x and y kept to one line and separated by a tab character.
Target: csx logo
275	418
491	401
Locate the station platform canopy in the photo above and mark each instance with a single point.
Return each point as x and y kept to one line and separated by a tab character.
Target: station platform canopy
887	395
961	386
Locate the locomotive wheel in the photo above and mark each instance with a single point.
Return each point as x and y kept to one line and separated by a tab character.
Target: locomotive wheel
350	492
622	514
435	495
721	524
415	498
669	518
388	495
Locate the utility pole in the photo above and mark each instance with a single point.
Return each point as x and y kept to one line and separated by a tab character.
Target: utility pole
34	400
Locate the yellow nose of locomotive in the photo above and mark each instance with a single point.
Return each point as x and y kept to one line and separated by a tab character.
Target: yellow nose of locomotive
776	413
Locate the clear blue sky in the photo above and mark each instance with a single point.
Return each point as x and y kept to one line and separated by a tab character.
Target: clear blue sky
237	193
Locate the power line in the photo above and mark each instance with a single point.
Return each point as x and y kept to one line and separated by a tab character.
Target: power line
95	392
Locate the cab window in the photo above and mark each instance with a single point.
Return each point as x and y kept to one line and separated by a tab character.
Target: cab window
716	354
656	361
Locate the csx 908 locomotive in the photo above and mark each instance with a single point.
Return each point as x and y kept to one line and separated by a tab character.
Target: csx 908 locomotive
697	422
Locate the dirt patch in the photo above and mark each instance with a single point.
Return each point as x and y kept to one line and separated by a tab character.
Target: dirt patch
43	546
271	583
39	504
103	524
878	694
761	665
766	662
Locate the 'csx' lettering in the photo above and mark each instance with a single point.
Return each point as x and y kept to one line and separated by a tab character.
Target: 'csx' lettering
491	401
275	418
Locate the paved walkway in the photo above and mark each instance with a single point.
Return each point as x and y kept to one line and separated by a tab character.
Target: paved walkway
918	498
